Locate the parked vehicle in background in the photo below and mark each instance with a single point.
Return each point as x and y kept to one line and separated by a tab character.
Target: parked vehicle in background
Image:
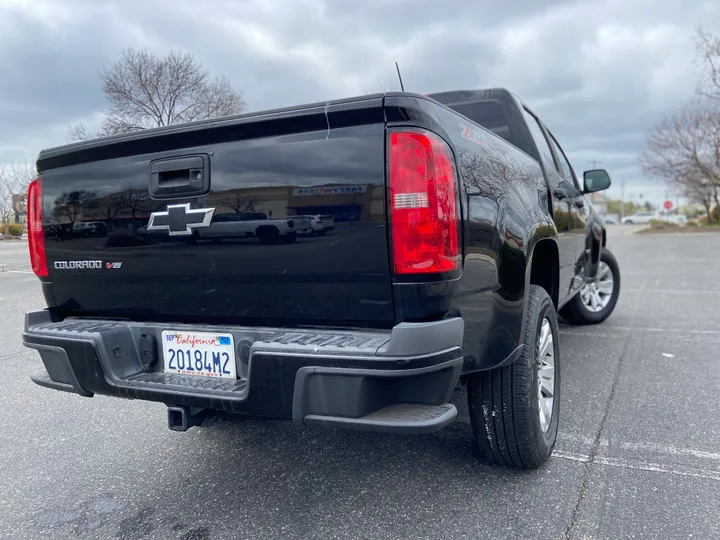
468	233
642	218
610	220
322	224
679	219
90	228
315	224
304	225
253	225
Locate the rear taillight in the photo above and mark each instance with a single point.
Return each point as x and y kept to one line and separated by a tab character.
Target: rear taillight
36	230
423	205
291	224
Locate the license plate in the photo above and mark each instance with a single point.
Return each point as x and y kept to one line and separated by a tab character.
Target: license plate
199	353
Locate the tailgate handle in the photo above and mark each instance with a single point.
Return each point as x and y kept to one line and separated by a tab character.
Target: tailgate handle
179	176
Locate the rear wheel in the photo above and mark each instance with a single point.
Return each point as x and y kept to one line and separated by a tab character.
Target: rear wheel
598	297
514	409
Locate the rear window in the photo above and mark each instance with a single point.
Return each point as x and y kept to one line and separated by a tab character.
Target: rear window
488	114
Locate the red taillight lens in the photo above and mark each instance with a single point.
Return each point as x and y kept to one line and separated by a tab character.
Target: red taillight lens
36	230
291	224
423	205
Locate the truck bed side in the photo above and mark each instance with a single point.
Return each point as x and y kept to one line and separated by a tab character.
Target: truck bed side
504	202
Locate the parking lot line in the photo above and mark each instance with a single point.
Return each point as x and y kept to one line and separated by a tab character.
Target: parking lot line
639	465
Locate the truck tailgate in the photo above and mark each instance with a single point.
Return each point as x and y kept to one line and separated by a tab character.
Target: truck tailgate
196	222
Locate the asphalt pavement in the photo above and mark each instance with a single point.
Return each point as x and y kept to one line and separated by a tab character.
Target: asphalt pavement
638	454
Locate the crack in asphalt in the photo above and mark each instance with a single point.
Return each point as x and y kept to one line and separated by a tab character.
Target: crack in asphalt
595	448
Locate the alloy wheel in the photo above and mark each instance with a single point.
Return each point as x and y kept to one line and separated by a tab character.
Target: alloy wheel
596	294
546	374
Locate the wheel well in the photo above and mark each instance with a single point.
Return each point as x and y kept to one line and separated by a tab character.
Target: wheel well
267	229
604	238
544	268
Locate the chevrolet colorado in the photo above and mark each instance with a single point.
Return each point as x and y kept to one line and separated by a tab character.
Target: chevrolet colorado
460	231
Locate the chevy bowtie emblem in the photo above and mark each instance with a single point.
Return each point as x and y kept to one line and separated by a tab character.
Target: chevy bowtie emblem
180	220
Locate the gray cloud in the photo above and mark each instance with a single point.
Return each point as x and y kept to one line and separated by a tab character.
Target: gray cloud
599	73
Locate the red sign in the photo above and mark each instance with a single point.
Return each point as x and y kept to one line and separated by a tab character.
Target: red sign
668	205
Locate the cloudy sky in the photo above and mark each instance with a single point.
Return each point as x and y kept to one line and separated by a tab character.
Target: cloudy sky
599	73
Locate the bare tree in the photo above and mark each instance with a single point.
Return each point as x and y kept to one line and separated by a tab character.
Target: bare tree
80	132
6	209
684	150
144	90
14	182
70	205
708	53
138	202
239	203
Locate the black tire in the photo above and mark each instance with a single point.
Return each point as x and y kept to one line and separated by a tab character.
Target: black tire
503	402
575	311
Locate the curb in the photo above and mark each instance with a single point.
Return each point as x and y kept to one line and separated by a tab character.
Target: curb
4	268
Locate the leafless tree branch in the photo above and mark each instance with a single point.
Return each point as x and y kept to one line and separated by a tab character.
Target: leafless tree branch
14	182
708	53
144	90
684	150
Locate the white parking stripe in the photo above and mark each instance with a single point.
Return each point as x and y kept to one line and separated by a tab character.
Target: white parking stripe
640	465
645	446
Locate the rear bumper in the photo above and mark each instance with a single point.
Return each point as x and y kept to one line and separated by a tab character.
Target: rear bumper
394	381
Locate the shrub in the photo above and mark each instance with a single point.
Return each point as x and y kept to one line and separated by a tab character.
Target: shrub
659	223
693	223
12	230
561	219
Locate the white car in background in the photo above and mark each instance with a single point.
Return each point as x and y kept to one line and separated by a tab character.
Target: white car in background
642	218
322	224
253	225
316	224
679	219
610	220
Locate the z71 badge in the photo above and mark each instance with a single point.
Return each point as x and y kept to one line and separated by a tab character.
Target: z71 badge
473	135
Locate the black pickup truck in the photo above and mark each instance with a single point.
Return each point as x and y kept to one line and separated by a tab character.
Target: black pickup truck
460	231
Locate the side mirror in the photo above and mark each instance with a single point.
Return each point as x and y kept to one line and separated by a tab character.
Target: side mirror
596	180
